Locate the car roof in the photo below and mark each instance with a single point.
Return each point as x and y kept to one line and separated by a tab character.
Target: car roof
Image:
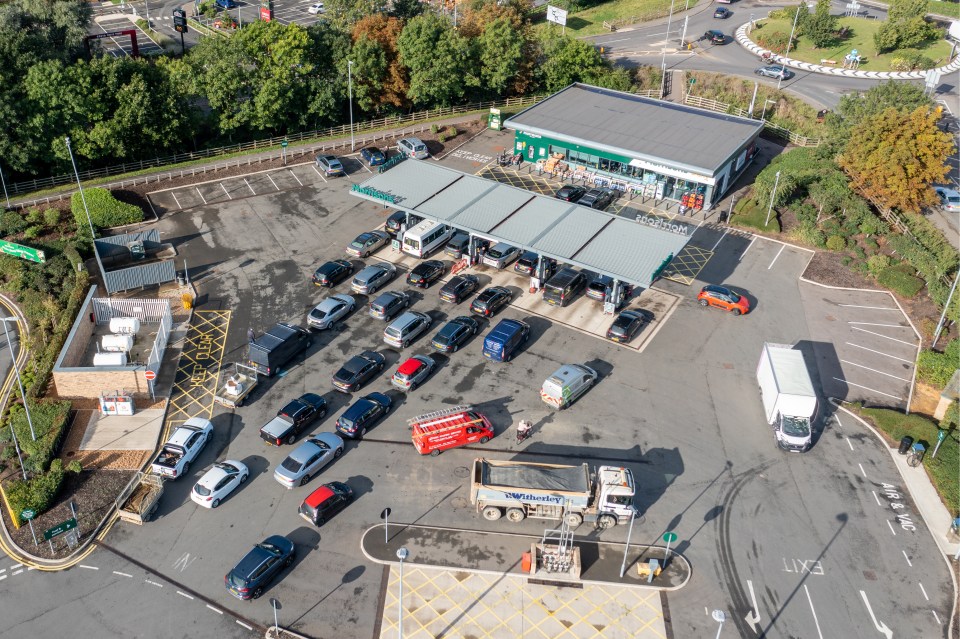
212	477
715	288
370	271
411	366
386	296
406	318
318	496
304	451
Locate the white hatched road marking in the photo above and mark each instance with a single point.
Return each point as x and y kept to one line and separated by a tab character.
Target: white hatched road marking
17	572
200	194
874	390
873	370
777	256
857	328
908	361
2	577
226	191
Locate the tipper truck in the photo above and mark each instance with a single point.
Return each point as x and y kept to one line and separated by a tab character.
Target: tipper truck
789	401
552	491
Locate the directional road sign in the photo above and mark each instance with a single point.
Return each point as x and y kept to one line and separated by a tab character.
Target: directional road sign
23	252
28	514
59	529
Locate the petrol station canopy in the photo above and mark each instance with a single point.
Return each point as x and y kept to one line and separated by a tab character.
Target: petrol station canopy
602	242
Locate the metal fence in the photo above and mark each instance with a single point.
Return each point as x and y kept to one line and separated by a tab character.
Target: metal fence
268	144
723	107
160	343
132	277
148	311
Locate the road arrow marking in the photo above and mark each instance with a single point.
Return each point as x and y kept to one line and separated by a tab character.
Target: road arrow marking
753	617
882	627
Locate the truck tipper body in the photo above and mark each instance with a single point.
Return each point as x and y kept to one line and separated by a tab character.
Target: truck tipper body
789	401
552	491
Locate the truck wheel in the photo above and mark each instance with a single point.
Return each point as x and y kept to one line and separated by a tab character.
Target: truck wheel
574	519
434	452
516	515
186	469
291	439
606	521
484	439
492	513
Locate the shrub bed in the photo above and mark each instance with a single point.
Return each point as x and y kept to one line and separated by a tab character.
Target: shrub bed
936	368
106	211
900	279
37	493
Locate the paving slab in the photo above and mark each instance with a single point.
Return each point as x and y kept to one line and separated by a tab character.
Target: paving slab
123	432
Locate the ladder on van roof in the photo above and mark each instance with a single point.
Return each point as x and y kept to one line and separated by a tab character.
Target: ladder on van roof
442	418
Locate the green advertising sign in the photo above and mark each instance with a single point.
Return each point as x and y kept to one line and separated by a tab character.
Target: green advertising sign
23	252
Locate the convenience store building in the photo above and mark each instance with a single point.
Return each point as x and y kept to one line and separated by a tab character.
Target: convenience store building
642	146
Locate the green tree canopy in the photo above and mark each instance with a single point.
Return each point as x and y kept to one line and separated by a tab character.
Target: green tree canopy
566	60
821	25
500	50
438	60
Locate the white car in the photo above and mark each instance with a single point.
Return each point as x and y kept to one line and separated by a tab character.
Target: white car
316	8
218	482
330	310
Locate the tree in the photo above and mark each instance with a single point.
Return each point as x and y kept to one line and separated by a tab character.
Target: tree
566	61
896	156
369	72
906	27
500	52
612	77
438	60
902	10
345	13
854	108
385	31
406	9
820	26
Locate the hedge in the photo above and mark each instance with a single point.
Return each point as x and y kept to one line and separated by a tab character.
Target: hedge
49	422
900	279
936	368
43	362
37	493
106	211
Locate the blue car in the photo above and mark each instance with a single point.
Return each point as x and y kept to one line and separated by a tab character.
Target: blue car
363	414
372	156
226	4
259	567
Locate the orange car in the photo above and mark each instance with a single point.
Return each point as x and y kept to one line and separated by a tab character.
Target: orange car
725	298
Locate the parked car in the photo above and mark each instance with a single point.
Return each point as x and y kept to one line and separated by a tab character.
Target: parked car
459	288
259	567
722	12
725	298
315	8
563	287
363	414
330	165
597	288
426	273
458	245
367	243
218	482
526	263
331	273
308	459
567	384
715	36
775	71
398	219
413	148
501	255
598	198
413	372
455	333
373	277
491	300
325	502
570	193
330	311
226	4
372	156
406	328
505	339
293	419
388	304
627	325
949	198
358	370
182	448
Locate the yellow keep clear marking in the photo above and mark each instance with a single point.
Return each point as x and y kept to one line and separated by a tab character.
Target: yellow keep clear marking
195	382
688	263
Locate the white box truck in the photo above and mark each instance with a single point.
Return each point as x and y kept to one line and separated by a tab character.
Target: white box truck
552	491
789	400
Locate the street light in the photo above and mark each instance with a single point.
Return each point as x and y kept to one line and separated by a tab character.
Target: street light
663	60
792	29
623	566
719	615
350	93
773	195
93	236
402	553
763	115
13	362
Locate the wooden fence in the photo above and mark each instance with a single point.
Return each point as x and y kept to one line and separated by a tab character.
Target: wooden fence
723	107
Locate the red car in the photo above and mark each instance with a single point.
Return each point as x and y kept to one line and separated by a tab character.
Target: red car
725	298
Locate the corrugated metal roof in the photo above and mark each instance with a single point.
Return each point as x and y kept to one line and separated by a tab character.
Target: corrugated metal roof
584	237
635	126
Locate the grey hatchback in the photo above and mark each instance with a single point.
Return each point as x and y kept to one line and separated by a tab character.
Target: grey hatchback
389	304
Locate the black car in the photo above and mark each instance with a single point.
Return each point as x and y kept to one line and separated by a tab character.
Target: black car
332	273
372	156
363	414
458	288
388	304
293	419
627	324
715	36
598	198
570	193
398	219
491	300
426	273
454	333
722	12
358	370
325	502
259	567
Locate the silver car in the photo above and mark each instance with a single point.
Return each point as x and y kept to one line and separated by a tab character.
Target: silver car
405	328
308	459
329	311
367	243
371	278
501	255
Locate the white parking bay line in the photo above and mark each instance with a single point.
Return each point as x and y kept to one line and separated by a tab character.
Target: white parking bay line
891	528
909	563
857	328
122	574
815	622
183	594
89	567
219	612
873	370
908	361
272	182
319	173
179	206
244	625
875	324
226	191
295	177
200	194
872	308
2	577
17	572
872	390
775	257
723	235
923	590
748	248
249	187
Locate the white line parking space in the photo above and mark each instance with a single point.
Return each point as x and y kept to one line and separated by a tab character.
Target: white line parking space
865	345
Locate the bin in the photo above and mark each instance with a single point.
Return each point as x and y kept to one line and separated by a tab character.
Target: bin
905	444
181	278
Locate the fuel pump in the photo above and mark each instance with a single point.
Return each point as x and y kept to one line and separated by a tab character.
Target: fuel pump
613	297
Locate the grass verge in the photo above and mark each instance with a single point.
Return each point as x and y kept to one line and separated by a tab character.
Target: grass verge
748	213
590	21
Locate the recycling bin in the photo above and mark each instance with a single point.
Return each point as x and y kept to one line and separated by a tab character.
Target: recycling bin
905	444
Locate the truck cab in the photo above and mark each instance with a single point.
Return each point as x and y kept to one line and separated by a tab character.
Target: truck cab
615	491
183	447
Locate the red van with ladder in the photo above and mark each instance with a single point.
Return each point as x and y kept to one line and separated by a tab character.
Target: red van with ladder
448	428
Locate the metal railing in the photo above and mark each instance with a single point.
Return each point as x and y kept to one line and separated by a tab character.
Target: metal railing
613	25
723	107
269	143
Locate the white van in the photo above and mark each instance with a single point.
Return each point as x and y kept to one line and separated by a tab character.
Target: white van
413	148
425	237
567	384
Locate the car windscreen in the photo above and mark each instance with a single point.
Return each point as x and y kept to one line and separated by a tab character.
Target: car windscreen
201	490
495	253
292	465
796	427
392	331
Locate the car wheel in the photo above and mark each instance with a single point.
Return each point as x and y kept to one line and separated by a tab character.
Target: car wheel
404	344
186	468
736	311
257	593
704	303
216	502
380	367
243	478
363	431
337	453
288	562
434	452
291	439
371	290
484	439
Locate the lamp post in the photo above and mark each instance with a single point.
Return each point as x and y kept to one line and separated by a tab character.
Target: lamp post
7	197
773	195
763	115
402	553
13	362
350	93
789	42
663	59
720	616
83	198
623	565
